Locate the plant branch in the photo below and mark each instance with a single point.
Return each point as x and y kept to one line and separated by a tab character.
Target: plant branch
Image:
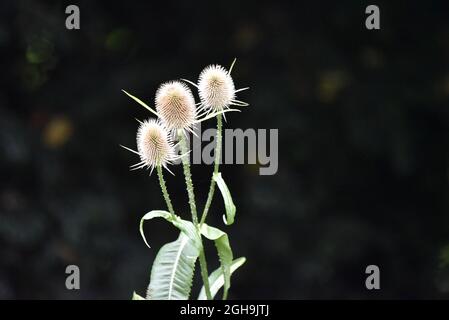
191	194
164	190
210	195
188	177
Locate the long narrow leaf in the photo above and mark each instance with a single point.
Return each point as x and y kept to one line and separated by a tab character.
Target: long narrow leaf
216	279
229	204
224	252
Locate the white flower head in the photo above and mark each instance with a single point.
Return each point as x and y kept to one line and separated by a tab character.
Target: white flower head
216	88
175	106
154	146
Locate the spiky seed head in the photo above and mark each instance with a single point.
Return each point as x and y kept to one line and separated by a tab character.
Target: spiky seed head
216	88
154	144
175	105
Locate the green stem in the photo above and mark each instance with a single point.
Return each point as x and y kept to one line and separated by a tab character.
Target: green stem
204	273
191	194
225	295
164	190
210	196
188	177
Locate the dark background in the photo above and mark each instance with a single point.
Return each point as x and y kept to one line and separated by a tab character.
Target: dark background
363	145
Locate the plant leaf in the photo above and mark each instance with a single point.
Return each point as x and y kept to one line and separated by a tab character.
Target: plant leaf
143	104
224	252
229	204
137	297
173	269
185	226
216	279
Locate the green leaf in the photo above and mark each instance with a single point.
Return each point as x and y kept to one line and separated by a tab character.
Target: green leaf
224	253
174	265
143	104
173	269
229	204
137	297
216	279
185	226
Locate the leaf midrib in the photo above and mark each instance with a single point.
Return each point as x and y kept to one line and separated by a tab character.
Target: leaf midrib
178	257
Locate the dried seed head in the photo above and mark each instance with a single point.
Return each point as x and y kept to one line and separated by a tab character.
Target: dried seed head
216	88
175	105
154	144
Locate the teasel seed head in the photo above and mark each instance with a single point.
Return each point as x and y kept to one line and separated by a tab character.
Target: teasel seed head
216	88
154	146
175	106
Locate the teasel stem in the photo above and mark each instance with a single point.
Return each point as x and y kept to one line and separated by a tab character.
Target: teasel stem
164	190
191	194
188	176
210	195
204	273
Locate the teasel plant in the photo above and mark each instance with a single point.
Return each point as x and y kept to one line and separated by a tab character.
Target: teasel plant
158	140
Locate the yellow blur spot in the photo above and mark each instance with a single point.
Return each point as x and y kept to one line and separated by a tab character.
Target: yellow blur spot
444	86
57	132
330	85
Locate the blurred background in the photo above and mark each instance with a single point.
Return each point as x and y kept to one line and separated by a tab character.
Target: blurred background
363	125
